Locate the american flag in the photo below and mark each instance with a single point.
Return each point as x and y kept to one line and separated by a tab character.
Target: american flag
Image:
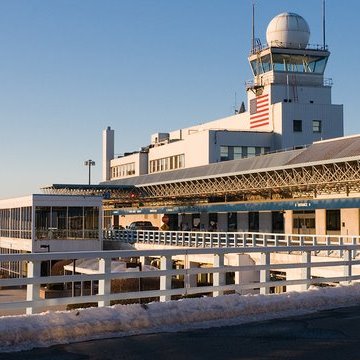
259	111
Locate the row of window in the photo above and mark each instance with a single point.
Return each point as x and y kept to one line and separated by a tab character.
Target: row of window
289	63
232	222
306	220
50	222
168	163
16	222
123	170
240	152
64	222
298	126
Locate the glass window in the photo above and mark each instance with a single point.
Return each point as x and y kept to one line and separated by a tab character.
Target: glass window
75	219
251	151
277	222
224	153
299	63
333	220
42	221
297	125
316	126
232	221
254	221
91	222
182	161
237	152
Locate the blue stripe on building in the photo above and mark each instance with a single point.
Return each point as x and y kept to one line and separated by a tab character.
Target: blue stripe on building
248	206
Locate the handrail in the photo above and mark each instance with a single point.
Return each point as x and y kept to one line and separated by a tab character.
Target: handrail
226	239
224	260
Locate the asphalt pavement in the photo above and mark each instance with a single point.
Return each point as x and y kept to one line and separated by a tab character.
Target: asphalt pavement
328	335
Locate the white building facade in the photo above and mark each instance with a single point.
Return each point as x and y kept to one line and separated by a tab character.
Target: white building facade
289	105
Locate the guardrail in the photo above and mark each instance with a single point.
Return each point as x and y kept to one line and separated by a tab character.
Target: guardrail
228	239
346	271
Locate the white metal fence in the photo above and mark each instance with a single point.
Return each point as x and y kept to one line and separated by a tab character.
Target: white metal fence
227	239
345	266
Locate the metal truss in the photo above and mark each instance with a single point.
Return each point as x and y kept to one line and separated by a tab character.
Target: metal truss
307	180
301	181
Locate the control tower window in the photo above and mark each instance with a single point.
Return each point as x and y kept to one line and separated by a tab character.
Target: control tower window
297	125
262	65
299	63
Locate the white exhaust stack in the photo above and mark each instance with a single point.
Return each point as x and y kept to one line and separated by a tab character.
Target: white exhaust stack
108	152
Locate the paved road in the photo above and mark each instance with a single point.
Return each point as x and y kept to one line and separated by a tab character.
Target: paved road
328	335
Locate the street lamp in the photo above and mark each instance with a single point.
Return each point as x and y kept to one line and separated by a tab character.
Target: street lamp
89	163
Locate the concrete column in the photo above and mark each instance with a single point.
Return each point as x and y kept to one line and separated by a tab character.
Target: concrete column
104	285
265	274
245	277
33	290
219	279
288	222
265	221
320	221
350	222
347	266
243	221
165	280
306	271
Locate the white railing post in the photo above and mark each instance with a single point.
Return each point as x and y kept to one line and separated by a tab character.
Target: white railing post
165	280
276	240
354	243
306	271
265	274
341	242
328	243
253	239
218	278
348	265
33	290
104	284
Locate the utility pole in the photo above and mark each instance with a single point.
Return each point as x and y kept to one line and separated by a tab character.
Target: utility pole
89	163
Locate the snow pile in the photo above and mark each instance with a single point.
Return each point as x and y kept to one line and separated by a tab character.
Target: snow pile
42	330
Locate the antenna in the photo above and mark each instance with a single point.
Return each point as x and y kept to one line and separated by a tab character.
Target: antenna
253	28
323	23
235	104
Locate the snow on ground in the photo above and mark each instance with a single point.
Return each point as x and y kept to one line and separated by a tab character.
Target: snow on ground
23	332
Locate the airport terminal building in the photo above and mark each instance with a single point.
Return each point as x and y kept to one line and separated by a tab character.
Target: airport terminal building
257	170
279	164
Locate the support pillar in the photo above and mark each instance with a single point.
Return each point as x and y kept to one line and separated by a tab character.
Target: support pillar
105	284
306	271
33	290
165	280
347	266
265	274
219	279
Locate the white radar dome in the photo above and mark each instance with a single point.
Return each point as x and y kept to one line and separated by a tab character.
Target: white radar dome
288	30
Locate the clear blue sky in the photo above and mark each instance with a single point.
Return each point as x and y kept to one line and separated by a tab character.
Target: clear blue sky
69	68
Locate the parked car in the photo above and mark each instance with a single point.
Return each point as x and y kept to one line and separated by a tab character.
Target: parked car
142	225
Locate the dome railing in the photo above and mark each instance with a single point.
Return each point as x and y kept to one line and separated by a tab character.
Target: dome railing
278	44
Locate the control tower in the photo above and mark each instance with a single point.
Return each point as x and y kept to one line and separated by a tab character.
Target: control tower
289	94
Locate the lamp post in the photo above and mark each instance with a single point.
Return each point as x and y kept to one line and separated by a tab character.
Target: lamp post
89	163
